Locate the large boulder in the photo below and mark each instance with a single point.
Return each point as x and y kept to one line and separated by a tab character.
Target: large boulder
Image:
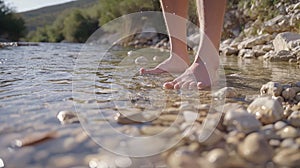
286	41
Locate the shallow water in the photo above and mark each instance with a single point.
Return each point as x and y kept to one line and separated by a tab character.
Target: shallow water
36	82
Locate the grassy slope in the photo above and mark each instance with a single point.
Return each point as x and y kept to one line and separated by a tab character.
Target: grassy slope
47	15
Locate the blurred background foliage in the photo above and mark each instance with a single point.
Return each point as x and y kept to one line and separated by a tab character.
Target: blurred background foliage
76	21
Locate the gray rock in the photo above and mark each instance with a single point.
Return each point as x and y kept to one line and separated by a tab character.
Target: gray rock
266	109
67	117
294	119
249	43
271	88
228	92
288	132
255	149
239	119
288	157
290	93
286	41
218	157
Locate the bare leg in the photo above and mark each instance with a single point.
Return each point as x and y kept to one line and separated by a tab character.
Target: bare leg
179	59
203	72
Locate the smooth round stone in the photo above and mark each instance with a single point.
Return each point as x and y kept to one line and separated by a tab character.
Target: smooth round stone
269	132
241	120
190	116
1	163
186	106
274	142
181	158
294	119
289	143
266	109
255	149
288	132
228	92
289	93
141	60
123	162
271	88
218	157
288	157
67	117
279	125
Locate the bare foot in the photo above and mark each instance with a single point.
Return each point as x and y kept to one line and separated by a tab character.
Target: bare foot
174	64
197	76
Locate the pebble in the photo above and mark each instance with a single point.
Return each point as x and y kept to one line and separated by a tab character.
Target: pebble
288	143
274	142
186	106
255	149
289	93
241	120
288	132
266	109
190	116
228	92
132	118
218	157
1	163
294	119
123	162
141	60
288	157
36	138
279	125
181	158
67	117
271	88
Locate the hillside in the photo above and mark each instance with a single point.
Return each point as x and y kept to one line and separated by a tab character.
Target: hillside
47	15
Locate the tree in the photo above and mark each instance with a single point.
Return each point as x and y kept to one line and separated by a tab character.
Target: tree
12	27
77	27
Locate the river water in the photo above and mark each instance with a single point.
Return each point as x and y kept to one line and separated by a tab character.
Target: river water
36	82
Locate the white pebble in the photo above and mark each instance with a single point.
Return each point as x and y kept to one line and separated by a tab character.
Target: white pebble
141	60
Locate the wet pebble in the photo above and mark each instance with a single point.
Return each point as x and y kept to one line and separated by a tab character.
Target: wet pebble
141	60
35	138
294	119
271	88
190	116
1	163
228	92
288	143
255	149
218	157
289	93
239	119
288	157
182	158
288	132
67	117
279	125
266	109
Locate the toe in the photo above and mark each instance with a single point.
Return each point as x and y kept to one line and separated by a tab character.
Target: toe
168	85
201	86
178	85
151	71
185	85
193	85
